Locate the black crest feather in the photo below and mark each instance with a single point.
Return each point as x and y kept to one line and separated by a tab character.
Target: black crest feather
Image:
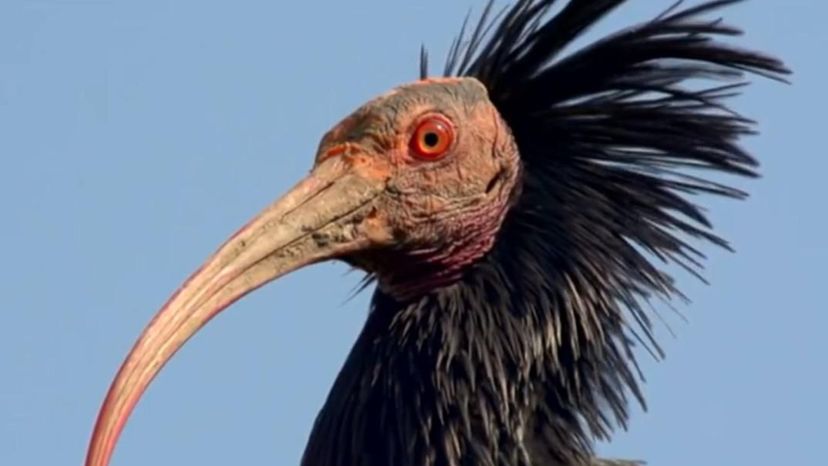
613	138
530	357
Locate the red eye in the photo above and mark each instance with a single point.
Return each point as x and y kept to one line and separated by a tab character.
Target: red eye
432	138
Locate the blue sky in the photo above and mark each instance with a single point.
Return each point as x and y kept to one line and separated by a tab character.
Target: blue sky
135	136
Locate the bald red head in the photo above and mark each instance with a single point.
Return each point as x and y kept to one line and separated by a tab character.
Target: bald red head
412	186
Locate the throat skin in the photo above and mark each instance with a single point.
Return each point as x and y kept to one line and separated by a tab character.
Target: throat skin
406	274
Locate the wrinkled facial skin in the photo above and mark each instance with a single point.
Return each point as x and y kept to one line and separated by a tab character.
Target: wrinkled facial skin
442	212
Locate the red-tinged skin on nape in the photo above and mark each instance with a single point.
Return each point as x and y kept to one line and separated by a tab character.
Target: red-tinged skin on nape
412	186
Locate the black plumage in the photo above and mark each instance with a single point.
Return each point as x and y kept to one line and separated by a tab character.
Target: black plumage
530	357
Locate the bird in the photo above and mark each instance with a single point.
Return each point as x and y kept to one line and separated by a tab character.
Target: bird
515	215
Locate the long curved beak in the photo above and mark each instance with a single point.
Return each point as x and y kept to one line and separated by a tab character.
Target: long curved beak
322	217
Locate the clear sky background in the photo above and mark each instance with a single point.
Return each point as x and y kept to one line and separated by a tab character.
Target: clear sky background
135	136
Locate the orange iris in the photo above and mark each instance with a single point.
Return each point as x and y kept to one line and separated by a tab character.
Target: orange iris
432	138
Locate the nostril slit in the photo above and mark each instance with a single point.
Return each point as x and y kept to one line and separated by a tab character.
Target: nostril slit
334	151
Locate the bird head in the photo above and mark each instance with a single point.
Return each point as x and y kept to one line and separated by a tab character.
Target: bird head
411	187
439	165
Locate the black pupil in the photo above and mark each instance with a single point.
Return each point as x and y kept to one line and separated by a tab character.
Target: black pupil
431	139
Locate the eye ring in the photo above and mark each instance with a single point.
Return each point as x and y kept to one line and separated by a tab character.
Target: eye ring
432	138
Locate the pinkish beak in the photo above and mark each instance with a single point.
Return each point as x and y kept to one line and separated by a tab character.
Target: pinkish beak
323	217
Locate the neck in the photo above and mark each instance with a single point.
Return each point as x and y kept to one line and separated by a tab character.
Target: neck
524	360
467	374
421	387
